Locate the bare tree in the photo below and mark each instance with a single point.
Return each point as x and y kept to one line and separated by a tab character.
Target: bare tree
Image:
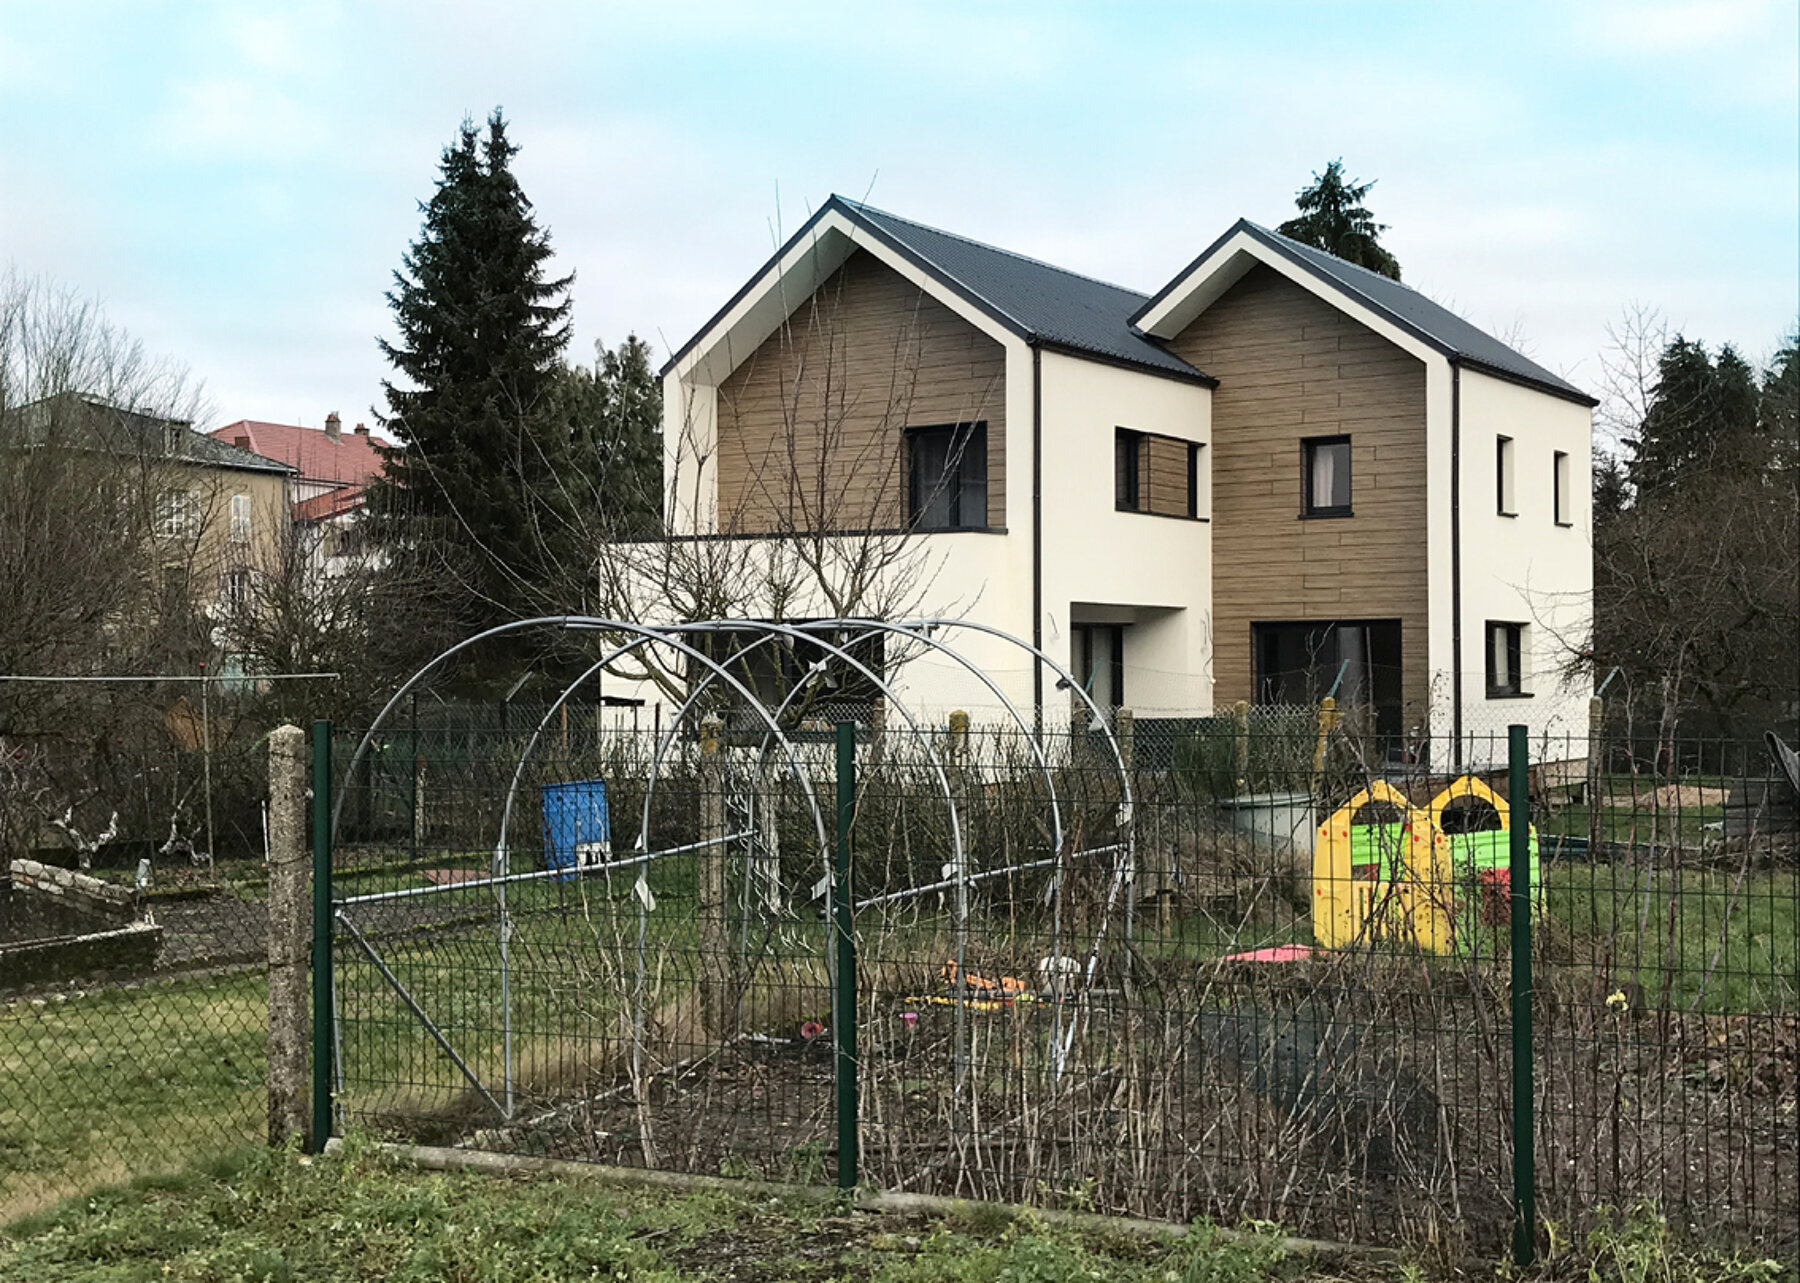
109	539
795	500
322	598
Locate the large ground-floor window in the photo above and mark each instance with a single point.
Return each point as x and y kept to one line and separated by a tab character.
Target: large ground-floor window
1356	661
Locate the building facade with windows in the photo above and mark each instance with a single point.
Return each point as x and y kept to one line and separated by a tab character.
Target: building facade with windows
1278	477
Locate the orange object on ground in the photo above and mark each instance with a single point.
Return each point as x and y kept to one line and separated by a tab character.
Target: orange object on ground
1005	985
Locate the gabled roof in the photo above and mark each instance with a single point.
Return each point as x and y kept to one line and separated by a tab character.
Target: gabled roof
333	503
1431	323
95	423
352	459
1044	305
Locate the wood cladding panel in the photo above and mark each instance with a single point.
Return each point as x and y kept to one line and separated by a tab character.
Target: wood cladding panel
1291	366
1164	475
812	423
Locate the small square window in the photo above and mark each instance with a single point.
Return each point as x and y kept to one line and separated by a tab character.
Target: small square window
1505	659
1327	478
1503	477
1561	483
1128	457
947	476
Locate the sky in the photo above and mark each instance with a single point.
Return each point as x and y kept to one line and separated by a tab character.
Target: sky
236	183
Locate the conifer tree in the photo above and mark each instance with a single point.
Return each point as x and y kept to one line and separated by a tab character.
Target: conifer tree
481	332
1334	219
1703	417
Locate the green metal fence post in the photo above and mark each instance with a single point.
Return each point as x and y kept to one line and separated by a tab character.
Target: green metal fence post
1519	884
321	936
843	914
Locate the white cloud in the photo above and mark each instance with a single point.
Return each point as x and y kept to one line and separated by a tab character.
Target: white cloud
1681	26
239	120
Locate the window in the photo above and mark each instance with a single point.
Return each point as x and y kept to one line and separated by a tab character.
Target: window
235	591
176	514
240	518
1561	482
1097	659
1193	478
947	476
1505	660
1327	477
1128	454
1503	477
1355	661
811	686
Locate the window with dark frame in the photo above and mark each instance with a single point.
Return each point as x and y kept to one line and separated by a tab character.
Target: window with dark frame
1128	456
794	674
1099	662
1503	477
1327	477
1560	479
1193	479
946	476
1505	659
1356	661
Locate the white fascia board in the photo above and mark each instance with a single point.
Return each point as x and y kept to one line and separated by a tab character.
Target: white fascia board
788	283
1207	282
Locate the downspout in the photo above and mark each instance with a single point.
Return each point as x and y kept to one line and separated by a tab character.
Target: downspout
1456	622
1037	530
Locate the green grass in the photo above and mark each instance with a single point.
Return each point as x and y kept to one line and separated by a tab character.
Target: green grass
96	1086
1746	934
262	1216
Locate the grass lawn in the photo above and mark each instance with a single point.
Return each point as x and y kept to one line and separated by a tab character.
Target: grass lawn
97	1085
1731	945
270	1217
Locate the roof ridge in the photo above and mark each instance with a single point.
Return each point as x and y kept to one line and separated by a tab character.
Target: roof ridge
997	249
1339	259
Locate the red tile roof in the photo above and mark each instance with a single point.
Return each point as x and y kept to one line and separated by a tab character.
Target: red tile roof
352	459
333	503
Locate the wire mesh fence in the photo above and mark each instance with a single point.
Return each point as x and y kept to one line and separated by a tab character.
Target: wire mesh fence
1255	965
1232	967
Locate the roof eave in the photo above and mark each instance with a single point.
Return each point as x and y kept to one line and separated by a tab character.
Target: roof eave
1525	381
864	224
1189	375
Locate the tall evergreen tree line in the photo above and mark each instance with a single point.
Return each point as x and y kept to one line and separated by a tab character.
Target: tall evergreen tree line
1697	543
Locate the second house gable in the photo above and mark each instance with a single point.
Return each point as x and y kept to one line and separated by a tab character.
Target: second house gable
1295	371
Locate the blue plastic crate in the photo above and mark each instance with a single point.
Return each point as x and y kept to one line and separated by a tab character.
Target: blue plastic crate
577	826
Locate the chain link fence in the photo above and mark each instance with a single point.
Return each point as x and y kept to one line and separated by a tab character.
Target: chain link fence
1256	965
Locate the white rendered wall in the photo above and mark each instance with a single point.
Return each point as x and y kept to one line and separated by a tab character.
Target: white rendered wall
1526	568
1159	568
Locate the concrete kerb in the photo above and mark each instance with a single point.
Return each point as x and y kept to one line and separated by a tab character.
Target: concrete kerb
440	1159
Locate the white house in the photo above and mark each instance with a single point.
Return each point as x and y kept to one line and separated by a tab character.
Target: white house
1278	476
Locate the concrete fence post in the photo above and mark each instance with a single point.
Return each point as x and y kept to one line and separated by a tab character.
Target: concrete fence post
715	946
289	864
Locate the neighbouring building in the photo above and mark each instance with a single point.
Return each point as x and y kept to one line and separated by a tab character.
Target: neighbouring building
221	510
331	469
1276	477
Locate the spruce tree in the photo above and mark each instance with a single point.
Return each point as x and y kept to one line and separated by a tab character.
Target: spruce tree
1334	219
1703	418
482	329
610	418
